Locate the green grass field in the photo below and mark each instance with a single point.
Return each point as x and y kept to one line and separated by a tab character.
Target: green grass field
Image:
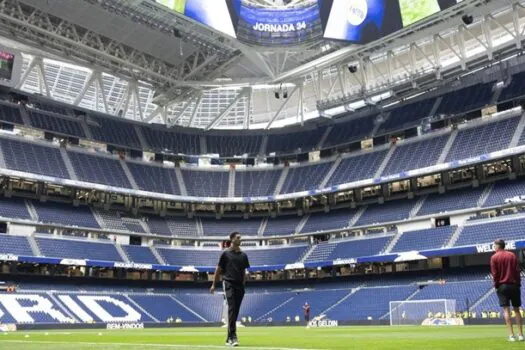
270	338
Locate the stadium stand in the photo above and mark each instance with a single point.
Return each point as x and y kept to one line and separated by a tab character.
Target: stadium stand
201	183
348	249
56	124
140	254
389	211
333	220
489	232
305	178
433	238
296	142
516	88
33	158
357	167
452	200
466	99
162	140
10	113
415	155
407	116
113	131
17	245
65	214
14	208
98	169
483	139
351	130
77	249
359	307
233	145
154	178
225	226
282	225
252	183
503	191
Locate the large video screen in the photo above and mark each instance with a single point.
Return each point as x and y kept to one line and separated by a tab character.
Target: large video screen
271	26
213	13
363	21
7	61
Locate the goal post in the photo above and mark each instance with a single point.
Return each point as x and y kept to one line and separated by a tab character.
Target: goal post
423	312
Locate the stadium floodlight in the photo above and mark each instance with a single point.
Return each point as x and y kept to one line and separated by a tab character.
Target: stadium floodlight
424	312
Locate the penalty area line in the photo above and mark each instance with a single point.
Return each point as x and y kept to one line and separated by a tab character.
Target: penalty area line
173	346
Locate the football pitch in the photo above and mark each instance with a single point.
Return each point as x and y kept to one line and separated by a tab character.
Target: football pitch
266	338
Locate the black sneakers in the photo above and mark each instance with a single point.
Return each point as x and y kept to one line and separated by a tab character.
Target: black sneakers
228	342
235	342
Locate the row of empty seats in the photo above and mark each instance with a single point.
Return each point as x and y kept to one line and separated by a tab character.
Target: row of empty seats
199	182
486	196
360	299
49	115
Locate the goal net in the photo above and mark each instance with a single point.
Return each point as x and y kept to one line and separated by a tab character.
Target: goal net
423	312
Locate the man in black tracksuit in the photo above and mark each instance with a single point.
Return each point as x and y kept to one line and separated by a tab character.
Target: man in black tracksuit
232	265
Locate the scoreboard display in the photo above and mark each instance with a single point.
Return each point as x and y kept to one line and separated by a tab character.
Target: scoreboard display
277	27
363	21
356	21
10	66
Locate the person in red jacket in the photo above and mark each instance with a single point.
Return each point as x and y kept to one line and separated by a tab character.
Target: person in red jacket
504	266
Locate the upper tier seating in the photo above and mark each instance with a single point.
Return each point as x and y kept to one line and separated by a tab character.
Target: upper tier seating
483	139
154	178
356	168
33	158
333	220
233	145
305	178
351	130
77	249
415	155
201	183
516	88
253	183
433	238
504	190
452	200
466	99
303	141
408	115
65	214
56	124
17	245
162	140
10	113
112	131
98	169
394	210
282	225
14	208
489	232
225	226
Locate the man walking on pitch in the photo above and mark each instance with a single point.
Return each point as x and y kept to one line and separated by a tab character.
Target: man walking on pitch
232	266
505	270
306	309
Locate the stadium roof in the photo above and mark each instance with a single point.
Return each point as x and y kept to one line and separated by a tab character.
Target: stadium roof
112	55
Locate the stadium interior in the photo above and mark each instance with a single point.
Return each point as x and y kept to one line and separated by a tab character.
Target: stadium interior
135	138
